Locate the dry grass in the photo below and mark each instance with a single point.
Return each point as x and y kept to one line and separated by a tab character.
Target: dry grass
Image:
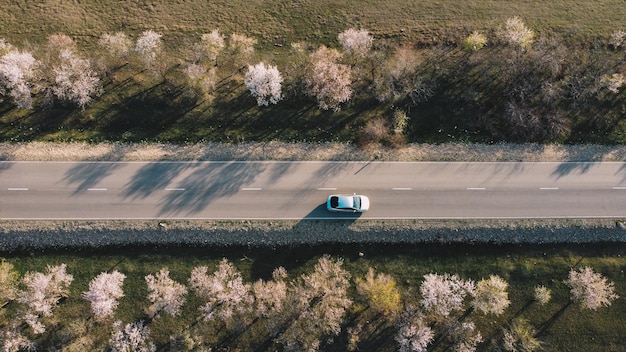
298	20
46	151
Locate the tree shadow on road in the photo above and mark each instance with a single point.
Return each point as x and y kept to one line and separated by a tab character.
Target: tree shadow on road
207	183
89	174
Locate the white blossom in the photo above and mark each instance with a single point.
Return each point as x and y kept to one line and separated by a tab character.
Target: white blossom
149	45
413	335
165	294
224	290
542	294
442	294
132	338
212	45
319	303
104	291
270	296
12	340
75	80
43	291
118	45
17	75
464	336
591	289
356	42
328	81
264	83
517	34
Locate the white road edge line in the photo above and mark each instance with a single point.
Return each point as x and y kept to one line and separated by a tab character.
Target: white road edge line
548	188
402	188
97	189
251	188
17	189
619	187
475	188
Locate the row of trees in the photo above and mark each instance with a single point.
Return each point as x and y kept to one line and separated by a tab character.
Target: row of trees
524	86
299	314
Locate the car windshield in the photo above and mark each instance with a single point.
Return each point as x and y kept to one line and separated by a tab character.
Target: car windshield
357	202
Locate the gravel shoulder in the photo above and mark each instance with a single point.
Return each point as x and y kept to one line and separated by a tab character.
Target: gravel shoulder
41	151
29	236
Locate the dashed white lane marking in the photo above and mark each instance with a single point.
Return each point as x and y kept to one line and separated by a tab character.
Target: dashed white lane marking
476	188
175	189
97	189
619	187
327	188
548	188
402	188
251	188
17	189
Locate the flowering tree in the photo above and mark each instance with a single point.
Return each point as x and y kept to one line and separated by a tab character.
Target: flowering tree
399	78
17	75
9	279
356	42
224	290
381	292
165	294
264	83
464	336
475	41
591	289
617	39
118	45
318	302
517	34
520	337
442	294
134	337
613	82
12	340
328	81
542	294
491	296
270	296
75	80
200	78
211	45
104	291
42	293
413	335
241	49
149	47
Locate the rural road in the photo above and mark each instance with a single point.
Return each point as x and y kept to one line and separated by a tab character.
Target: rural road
298	190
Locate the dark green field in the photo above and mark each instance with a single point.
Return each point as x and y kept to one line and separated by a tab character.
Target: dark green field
562	327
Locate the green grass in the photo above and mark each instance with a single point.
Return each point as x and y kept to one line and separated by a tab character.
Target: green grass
563	327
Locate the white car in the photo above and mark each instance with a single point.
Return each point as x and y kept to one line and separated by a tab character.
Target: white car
348	203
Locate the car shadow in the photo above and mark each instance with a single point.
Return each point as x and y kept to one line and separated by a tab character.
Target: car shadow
321	213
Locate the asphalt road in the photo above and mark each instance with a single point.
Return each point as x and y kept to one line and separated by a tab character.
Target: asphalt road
298	190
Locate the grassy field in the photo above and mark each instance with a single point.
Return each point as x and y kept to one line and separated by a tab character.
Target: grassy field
561	327
467	106
303	20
